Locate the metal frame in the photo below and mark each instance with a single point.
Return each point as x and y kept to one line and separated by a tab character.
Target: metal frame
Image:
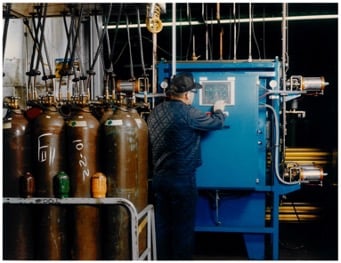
135	217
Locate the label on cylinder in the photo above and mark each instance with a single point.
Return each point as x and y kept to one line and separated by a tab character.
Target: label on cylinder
77	123
114	123
7	125
46	150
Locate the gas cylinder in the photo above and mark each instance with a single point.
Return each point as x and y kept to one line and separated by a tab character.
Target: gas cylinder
82	141
142	161
17	224
48	143
120	154
142	167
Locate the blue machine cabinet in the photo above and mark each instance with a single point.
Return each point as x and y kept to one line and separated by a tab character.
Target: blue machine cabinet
238	180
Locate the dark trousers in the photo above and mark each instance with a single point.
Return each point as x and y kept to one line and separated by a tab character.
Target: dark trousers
175	206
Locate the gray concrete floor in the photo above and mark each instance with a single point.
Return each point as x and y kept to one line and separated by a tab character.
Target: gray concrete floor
298	241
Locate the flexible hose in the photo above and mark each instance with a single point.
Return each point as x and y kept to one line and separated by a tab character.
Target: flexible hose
277	146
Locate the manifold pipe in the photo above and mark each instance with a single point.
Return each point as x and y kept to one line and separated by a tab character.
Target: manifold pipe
173	39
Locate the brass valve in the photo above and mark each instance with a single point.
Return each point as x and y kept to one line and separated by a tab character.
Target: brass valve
153	21
12	102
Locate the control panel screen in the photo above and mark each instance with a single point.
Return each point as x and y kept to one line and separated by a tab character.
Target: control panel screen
213	90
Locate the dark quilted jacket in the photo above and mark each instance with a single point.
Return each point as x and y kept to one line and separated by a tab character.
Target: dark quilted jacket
174	133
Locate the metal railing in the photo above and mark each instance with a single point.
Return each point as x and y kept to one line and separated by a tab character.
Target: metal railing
138	221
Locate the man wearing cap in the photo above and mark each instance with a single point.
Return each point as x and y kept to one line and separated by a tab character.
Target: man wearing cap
175	127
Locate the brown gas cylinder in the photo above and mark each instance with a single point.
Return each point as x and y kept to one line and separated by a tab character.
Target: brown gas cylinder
17	219
142	161
82	141
17	148
120	152
142	166
48	138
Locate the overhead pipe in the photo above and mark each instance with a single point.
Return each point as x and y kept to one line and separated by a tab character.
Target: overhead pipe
221	33
132	76
33	72
284	62
240	20
65	70
145	80
250	32
99	37
4	36
62	72
234	33
70	67
91	71
100	46
206	30
141	44
284	44
40	43
111	57
154	25
173	39
194	57
154	72
191	31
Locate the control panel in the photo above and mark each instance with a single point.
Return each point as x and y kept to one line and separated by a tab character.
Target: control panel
213	90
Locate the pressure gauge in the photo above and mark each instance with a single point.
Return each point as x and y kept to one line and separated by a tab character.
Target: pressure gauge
273	84
164	84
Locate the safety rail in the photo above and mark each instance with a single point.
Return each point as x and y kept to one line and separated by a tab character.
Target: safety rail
138	220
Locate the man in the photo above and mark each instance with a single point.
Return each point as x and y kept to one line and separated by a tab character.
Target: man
174	129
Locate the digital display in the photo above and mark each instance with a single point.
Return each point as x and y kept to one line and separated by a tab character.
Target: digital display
217	90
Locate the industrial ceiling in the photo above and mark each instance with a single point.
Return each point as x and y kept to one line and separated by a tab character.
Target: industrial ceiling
199	26
185	11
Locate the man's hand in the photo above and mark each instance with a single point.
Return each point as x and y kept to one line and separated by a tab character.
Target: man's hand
219	105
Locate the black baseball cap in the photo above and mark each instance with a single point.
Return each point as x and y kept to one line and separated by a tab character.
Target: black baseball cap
183	82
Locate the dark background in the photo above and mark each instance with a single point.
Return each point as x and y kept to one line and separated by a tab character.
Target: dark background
312	52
